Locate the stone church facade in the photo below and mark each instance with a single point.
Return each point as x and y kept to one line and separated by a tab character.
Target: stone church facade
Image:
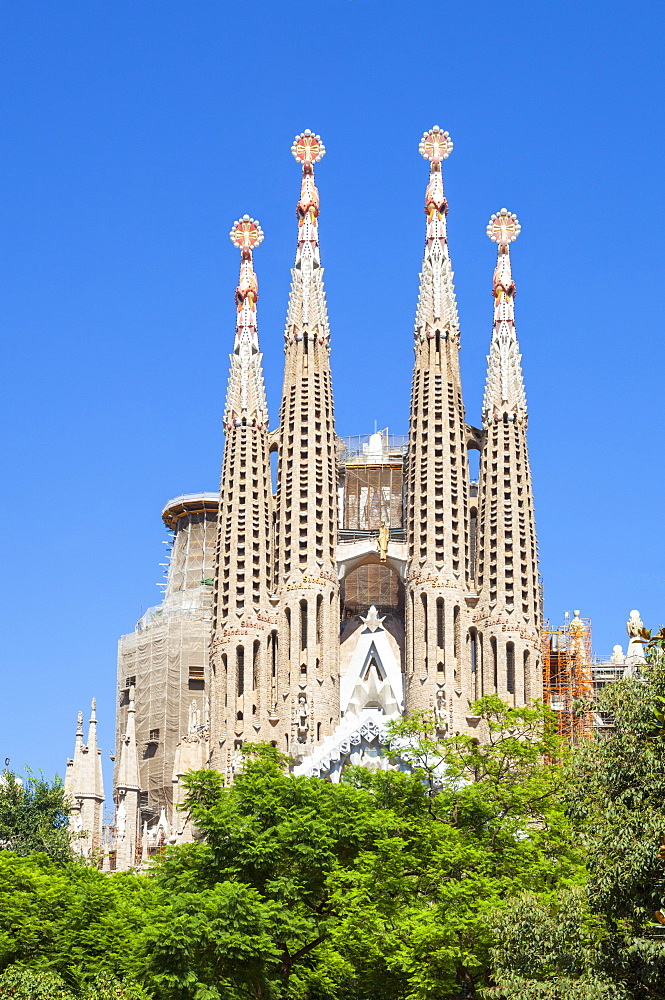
378	579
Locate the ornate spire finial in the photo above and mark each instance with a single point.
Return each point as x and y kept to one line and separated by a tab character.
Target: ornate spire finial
504	391
93	710
503	228
436	308
246	233
79	724
307	148
436	145
245	401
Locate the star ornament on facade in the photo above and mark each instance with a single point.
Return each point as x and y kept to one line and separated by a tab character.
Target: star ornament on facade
246	233
308	148
503	228
372	621
436	145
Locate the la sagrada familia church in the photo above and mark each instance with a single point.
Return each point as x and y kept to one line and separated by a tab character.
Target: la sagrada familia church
378	579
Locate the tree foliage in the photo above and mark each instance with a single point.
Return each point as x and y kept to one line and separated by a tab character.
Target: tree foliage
616	797
380	886
33	816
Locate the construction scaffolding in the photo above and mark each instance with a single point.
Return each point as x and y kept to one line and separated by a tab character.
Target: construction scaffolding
568	677
166	658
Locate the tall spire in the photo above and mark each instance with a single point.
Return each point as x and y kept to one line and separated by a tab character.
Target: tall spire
437	478
243	569
504	389
246	398
437	308
306	531
508	611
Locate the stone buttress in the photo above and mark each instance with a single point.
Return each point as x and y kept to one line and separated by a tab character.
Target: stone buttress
508	615
243	631
307	687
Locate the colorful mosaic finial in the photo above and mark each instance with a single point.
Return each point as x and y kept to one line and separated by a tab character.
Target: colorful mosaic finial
246	233
436	145
308	148
503	228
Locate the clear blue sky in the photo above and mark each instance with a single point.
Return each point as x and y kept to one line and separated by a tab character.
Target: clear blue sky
133	134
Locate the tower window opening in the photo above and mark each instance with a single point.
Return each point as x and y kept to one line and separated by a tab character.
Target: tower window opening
456	632
495	663
303	625
240	671
423	598
196	680
510	667
440	623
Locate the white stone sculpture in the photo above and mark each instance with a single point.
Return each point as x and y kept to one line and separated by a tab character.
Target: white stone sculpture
635	651
302	720
617	655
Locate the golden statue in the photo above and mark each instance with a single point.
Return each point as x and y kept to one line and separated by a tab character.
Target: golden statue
382	544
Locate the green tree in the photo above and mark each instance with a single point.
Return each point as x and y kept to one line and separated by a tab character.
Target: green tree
616	796
70	920
33	816
550	949
382	886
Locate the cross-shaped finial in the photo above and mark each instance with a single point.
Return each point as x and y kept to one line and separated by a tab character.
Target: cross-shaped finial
307	147
503	228
246	233
436	145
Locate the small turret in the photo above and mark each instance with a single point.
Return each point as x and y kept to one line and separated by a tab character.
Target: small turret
84	786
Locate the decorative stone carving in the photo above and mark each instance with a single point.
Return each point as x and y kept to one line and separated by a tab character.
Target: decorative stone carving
302	718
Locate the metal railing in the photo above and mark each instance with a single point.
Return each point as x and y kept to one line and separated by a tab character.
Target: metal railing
354	535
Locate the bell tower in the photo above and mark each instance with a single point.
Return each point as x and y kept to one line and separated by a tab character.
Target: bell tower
240	661
307	704
437	671
508	616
